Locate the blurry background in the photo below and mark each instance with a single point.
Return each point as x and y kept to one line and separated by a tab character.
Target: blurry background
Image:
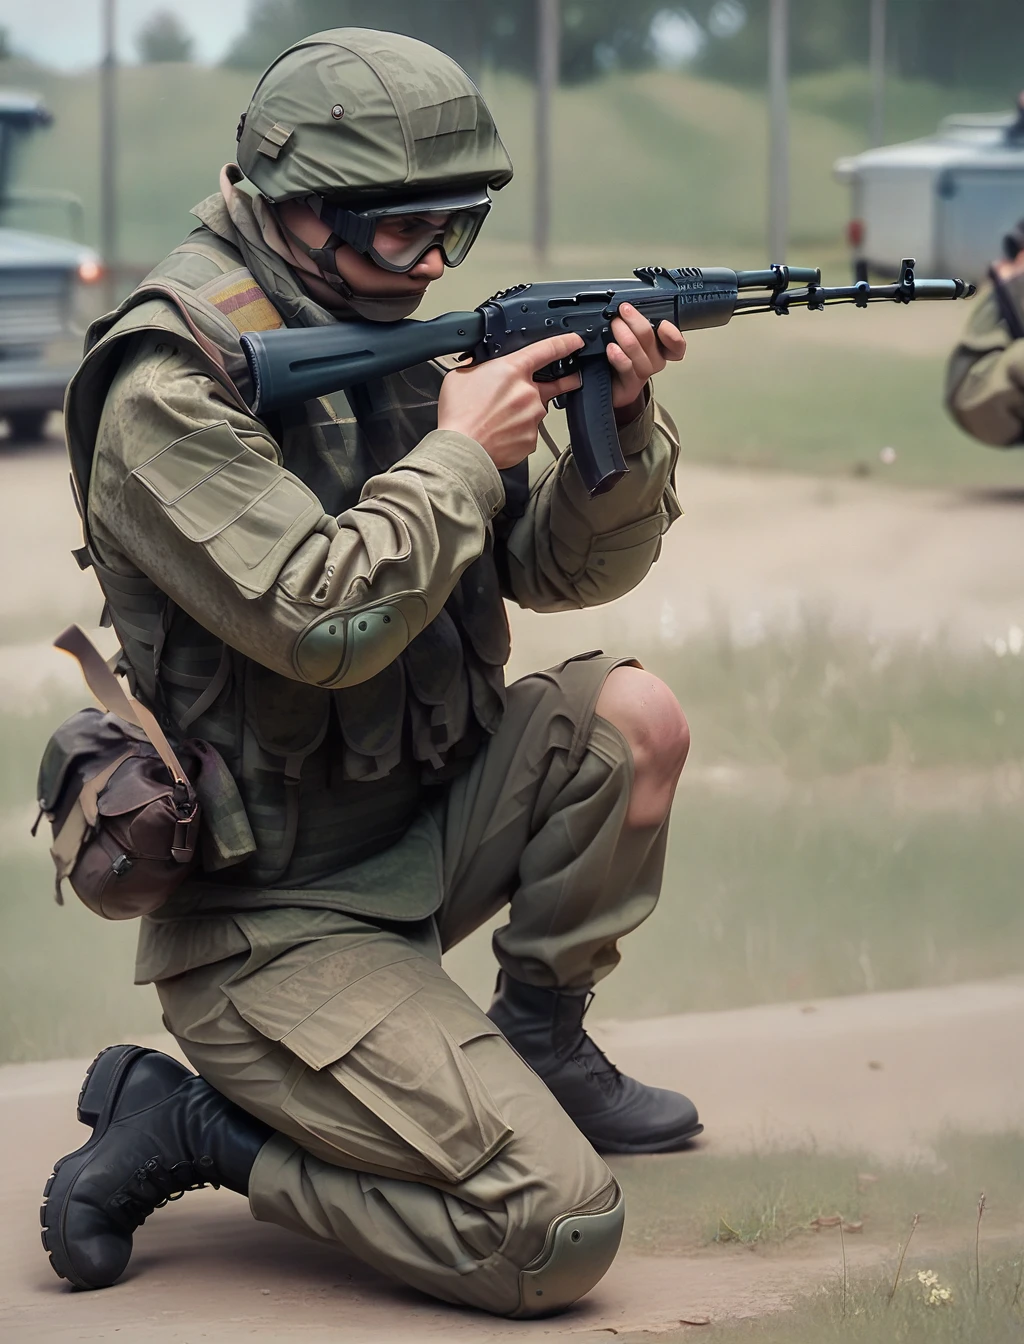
660	127
841	611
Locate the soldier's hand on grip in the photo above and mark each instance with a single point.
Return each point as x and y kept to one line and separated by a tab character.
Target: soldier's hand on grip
498	404
638	352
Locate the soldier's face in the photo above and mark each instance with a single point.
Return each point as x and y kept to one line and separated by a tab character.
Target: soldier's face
361	273
366	277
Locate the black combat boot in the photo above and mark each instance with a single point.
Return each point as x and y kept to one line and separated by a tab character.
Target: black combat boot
158	1130
617	1114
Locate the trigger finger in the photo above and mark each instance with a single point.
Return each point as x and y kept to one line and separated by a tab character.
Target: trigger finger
559	388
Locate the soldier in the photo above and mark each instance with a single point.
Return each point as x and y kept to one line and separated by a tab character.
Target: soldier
985	378
319	596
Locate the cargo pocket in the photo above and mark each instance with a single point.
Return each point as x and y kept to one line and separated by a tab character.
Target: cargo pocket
392	1034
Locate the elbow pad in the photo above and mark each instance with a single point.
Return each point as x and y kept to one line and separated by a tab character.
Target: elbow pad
346	648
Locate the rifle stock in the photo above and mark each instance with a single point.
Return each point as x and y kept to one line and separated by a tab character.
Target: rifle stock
295	364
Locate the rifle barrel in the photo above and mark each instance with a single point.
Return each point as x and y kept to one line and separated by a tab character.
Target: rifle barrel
861	294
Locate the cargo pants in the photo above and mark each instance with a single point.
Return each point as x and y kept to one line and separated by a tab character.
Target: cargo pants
408	1130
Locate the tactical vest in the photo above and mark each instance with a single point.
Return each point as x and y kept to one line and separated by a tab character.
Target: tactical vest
325	777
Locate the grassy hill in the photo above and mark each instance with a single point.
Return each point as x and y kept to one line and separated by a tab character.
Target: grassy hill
656	159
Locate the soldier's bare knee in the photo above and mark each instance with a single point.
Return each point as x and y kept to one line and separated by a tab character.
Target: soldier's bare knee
650	718
579	1247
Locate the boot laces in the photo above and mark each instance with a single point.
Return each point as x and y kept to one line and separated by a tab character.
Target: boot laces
156	1183
589	1056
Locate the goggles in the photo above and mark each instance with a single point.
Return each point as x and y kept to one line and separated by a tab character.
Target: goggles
398	235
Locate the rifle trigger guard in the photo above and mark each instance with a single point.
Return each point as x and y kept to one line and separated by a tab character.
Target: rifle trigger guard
558	368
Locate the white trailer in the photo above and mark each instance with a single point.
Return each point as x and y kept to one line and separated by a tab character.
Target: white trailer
947	200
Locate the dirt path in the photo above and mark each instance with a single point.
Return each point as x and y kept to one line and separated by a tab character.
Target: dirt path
754	549
870	1072
758	549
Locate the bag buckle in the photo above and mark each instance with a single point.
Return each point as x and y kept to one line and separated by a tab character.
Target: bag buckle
183	847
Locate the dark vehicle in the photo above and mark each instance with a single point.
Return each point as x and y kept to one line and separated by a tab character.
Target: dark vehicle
40	279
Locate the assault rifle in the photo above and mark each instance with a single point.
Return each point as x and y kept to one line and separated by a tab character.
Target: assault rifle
293	365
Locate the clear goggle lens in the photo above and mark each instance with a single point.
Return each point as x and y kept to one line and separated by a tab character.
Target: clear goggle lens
396	238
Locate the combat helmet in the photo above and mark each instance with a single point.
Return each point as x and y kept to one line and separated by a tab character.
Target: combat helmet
363	125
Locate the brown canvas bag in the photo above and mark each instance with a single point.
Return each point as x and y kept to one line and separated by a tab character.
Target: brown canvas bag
124	813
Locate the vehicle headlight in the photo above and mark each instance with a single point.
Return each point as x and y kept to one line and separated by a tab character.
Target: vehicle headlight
89	272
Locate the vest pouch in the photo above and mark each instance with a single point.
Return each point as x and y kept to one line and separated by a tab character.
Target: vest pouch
138	612
125	831
370	716
438	702
288	721
480	613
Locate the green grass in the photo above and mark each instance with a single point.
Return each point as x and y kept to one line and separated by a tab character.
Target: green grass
22	738
865	1315
816	701
771	901
913	107
66	980
762	395
769	1200
680	1201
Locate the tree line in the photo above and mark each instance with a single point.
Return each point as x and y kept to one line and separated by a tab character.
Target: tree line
967	43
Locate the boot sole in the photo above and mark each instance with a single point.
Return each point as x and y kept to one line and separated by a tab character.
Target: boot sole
100	1091
669	1145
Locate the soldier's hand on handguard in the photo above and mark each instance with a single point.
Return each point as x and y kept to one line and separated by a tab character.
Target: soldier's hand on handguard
499	404
636	354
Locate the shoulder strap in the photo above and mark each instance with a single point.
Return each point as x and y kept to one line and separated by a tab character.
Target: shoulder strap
110	693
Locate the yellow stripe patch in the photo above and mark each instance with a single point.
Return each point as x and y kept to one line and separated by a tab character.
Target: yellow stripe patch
246	306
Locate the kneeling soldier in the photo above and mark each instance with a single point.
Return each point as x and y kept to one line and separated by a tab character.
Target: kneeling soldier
319	596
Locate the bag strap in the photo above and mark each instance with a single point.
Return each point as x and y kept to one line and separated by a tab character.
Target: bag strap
110	693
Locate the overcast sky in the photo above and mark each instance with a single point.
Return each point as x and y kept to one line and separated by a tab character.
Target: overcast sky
66	33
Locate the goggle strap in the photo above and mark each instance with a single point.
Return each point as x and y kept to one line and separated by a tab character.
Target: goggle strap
353	229
322	258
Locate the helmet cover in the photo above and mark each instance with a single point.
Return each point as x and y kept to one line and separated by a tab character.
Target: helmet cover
360	115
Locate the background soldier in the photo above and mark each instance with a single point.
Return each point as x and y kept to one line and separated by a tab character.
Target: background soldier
320	597
985	379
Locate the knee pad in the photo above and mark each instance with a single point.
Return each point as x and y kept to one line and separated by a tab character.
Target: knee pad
578	1250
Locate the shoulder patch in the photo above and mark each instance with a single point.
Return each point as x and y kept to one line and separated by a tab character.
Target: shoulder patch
245	305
